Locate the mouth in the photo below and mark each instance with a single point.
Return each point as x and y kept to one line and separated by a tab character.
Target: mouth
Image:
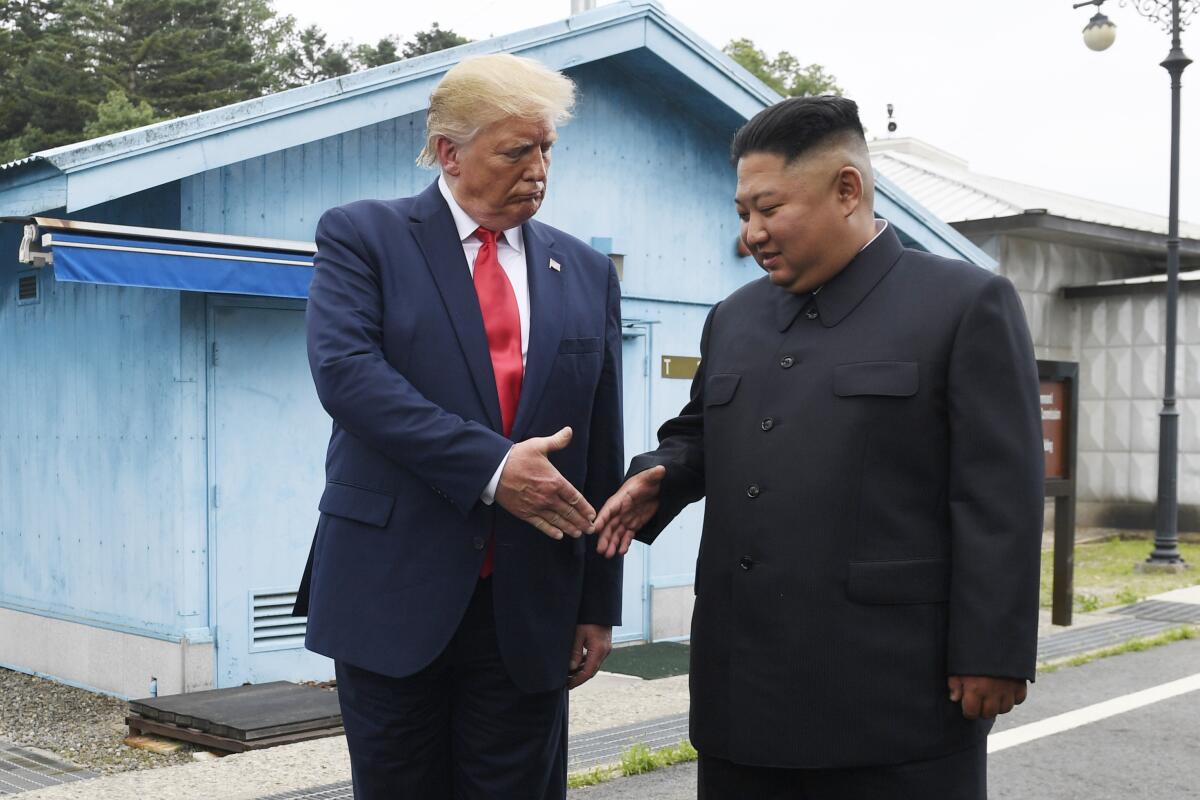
768	260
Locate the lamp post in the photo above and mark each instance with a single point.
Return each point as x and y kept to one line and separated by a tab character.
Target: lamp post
1100	32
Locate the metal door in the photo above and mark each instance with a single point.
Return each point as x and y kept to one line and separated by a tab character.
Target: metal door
635	358
268	434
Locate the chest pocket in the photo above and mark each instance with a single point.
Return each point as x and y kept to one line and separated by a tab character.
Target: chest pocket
876	378
720	388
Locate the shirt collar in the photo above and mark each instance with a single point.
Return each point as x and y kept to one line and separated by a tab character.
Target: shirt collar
467	226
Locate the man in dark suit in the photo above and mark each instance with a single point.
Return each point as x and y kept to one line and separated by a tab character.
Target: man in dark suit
470	359
865	426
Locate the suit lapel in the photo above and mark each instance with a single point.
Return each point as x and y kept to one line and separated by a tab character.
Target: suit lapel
545	320
437	237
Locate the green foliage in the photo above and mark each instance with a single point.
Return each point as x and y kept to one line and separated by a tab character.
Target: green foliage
637	760
1105	576
117	114
431	41
73	69
783	73
591	777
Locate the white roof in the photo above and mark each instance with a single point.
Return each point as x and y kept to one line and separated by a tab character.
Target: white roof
944	184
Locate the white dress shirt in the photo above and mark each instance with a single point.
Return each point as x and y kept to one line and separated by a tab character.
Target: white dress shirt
510	250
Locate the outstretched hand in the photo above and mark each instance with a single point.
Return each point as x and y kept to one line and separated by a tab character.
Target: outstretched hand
531	489
627	511
985	697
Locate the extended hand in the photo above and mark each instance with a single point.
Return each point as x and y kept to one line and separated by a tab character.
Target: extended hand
985	697
593	643
627	511
532	489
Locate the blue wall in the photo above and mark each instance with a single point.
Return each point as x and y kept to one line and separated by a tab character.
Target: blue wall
98	466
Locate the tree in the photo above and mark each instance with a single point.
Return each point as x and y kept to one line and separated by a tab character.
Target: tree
310	58
386	51
431	41
47	81
783	73
117	114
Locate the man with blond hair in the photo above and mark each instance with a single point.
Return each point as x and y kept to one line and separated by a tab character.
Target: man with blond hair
470	359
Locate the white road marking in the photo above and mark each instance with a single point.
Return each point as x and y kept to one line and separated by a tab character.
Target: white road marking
1089	714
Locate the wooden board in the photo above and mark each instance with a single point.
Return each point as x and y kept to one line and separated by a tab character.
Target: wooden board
245	713
138	725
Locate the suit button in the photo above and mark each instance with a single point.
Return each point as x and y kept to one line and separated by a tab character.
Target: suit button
811	314
786	362
747	563
479	542
752	491
768	423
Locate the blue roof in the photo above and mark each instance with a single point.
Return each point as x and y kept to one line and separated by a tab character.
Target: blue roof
98	170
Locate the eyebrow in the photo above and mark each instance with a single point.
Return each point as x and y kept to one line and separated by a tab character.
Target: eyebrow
756	197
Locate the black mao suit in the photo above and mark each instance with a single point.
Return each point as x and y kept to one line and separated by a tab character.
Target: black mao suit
871	458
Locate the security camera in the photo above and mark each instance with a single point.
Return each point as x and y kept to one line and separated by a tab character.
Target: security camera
891	126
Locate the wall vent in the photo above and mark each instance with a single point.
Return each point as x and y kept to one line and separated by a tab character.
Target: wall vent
272	626
28	288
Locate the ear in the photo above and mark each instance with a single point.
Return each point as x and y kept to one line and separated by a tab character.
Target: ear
448	154
849	189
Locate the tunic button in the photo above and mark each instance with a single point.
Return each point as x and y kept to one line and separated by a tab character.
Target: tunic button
747	563
752	491
768	423
479	542
786	362
812	313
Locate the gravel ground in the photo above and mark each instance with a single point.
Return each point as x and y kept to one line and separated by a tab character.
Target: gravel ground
79	726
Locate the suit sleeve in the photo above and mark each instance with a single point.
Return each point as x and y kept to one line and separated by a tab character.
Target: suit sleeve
365	394
680	450
995	489
601	603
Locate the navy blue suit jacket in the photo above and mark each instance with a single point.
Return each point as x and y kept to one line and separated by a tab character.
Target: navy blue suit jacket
400	359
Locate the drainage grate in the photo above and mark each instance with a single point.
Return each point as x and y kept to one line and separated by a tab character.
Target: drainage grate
272	626
332	791
1095	637
23	769
605	747
1162	611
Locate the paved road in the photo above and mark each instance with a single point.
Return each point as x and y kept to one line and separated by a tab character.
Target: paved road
1151	752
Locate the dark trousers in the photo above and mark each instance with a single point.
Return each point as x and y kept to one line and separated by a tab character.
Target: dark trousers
458	729
958	776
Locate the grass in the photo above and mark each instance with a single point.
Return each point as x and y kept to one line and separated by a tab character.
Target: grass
637	760
1132	646
1104	573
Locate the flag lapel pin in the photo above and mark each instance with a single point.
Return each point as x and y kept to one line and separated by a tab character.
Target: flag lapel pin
554	265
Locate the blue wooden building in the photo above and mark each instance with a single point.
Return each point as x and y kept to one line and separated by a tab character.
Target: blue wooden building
161	445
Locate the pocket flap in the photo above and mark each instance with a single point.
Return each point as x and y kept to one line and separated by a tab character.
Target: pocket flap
587	344
357	503
883	378
719	388
917	580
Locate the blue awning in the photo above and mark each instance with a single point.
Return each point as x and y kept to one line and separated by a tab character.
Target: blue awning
156	264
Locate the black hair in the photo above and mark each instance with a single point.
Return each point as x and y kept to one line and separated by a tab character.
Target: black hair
796	125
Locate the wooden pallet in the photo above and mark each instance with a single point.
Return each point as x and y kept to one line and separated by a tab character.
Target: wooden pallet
240	718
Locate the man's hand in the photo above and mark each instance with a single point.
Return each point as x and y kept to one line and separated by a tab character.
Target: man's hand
985	697
627	511
532	489
593	643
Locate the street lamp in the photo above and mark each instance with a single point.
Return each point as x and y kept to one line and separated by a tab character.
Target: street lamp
1173	15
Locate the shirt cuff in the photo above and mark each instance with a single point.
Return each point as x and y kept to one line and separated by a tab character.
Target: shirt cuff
489	492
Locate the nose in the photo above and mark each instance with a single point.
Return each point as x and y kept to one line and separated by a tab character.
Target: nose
753	232
539	165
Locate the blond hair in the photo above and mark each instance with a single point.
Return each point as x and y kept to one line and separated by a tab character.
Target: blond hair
479	91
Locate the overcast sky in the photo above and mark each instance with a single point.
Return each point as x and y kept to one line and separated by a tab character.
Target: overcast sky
1009	85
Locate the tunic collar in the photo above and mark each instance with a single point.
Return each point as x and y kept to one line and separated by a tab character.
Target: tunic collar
834	301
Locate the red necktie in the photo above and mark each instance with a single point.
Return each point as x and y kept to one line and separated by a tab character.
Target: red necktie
502	321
